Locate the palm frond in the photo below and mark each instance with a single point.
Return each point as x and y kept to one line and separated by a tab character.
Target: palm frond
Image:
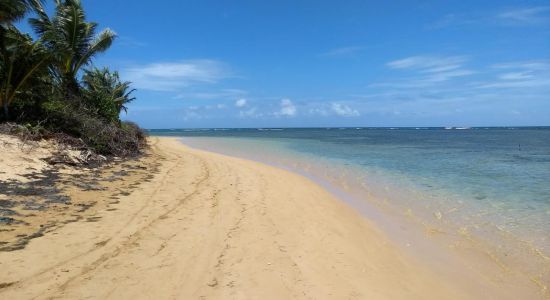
14	10
100	44
21	60
71	37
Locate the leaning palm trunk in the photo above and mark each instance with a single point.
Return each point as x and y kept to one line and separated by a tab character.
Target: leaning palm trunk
5	110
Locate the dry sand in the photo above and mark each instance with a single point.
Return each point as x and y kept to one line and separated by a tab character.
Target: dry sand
209	226
37	196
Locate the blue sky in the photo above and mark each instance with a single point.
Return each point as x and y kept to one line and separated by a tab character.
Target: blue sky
331	63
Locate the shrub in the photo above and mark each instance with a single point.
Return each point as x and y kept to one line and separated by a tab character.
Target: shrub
111	138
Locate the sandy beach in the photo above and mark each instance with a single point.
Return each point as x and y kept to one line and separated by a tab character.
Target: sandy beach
208	226
274	150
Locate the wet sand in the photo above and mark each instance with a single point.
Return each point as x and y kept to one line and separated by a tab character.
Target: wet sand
208	226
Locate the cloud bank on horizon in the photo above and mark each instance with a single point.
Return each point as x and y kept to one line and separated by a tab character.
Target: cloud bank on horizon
356	64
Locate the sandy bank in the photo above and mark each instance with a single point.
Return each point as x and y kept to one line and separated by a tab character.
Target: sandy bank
45	185
208	226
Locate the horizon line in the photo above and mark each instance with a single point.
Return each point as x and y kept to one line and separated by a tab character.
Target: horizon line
355	127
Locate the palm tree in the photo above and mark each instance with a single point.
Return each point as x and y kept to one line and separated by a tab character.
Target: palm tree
21	58
72	39
105	91
122	95
14	10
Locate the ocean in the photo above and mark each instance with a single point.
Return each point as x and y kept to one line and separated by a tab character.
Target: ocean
465	188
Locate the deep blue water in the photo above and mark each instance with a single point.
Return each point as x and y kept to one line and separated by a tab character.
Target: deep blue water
492	181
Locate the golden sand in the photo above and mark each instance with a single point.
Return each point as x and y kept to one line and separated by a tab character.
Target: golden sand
208	226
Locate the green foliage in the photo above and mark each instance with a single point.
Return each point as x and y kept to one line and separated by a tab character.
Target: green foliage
28	103
41	85
14	10
107	138
72	39
106	93
21	61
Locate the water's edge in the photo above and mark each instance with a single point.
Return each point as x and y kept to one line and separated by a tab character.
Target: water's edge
468	261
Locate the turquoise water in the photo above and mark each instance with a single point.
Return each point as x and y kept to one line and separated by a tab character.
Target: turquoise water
489	185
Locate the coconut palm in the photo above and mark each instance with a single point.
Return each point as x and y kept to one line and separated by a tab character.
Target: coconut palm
21	58
72	39
14	10
105	91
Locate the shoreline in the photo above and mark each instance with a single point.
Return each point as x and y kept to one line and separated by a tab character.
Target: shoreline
214	226
470	260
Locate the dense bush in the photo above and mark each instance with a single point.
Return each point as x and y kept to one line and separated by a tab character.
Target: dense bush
106	137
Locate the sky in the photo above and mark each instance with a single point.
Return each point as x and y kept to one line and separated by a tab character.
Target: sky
300	63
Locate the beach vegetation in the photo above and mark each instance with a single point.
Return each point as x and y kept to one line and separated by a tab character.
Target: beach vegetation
106	93
49	82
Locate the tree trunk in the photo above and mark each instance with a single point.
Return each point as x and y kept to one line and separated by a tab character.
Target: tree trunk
6	111
71	89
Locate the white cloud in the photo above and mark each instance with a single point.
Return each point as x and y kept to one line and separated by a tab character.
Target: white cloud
344	110
526	74
517	84
250	113
321	111
494	89
534	65
455	20
240	102
325	109
428	64
219	94
173	76
287	108
515	76
342	51
519	16
526	15
444	76
191	115
427	71
215	106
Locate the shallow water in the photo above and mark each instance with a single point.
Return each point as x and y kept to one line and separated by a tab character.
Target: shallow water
482	187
